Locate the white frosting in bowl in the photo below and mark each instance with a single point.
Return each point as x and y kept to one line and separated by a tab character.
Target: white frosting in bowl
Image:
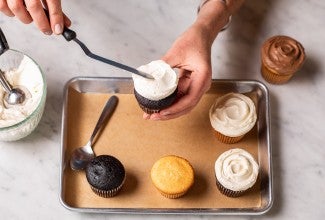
29	76
233	114
236	169
164	83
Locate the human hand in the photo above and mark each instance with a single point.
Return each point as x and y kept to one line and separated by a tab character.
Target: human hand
32	10
191	54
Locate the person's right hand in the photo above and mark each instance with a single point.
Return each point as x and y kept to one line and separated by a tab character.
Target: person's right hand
32	10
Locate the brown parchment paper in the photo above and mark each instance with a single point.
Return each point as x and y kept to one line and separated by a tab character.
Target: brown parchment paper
138	143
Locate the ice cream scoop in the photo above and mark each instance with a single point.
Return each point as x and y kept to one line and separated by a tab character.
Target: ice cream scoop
13	95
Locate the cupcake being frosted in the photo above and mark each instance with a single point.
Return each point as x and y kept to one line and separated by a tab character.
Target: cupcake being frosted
159	93
232	116
281	56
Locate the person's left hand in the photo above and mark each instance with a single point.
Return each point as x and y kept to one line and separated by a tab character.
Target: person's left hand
191	54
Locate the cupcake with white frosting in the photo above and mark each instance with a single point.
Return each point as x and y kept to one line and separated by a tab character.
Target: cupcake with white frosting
158	93
236	171
232	116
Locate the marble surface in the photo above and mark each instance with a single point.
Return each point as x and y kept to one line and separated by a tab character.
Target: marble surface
136	32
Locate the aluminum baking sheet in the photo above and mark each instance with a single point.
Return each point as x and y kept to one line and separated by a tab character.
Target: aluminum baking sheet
74	192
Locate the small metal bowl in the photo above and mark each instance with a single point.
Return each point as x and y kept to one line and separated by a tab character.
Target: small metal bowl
9	60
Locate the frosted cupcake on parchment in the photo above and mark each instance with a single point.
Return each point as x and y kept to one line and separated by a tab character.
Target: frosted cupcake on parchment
236	171
159	93
232	116
281	56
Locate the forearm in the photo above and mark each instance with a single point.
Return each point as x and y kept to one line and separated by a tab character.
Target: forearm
214	15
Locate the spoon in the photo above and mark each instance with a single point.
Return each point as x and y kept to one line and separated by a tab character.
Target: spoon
14	95
83	155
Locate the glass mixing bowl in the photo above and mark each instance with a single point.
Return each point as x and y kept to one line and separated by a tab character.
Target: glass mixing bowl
9	60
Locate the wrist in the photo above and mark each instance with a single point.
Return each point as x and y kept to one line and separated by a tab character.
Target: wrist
213	16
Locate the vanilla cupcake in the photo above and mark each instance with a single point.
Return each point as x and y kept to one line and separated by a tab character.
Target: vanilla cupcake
172	175
232	116
236	171
158	93
281	56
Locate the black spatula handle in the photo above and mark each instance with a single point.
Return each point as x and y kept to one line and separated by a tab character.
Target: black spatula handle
3	43
67	33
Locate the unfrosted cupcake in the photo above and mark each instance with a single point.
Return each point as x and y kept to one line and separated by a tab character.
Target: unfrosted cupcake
236	171
159	93
106	175
232	116
172	175
282	56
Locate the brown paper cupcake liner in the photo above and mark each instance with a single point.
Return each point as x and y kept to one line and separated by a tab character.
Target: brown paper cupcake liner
274	78
226	139
228	192
172	196
107	193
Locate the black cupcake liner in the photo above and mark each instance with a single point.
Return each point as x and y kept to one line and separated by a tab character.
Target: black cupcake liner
228	192
152	106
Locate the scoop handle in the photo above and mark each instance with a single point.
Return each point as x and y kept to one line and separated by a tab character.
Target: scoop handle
3	43
3	81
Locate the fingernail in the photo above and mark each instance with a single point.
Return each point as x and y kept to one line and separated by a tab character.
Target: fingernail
48	32
146	116
58	29
164	113
155	118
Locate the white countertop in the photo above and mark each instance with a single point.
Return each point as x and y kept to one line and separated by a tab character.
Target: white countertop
136	32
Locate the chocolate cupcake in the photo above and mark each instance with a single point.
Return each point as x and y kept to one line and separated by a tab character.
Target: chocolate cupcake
106	175
282	56
155	94
236	171
232	116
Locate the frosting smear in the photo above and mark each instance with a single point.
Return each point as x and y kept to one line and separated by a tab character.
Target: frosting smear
164	83
236	169
233	114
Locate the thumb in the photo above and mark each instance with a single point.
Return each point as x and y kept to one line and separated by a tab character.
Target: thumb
171	59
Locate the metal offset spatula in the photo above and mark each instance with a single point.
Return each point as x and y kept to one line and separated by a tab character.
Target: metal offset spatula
69	35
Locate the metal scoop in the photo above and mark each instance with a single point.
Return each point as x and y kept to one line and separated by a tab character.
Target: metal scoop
83	155
14	95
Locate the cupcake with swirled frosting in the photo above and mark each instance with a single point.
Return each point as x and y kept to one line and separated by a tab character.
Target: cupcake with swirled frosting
232	116
158	93
282	56
236	171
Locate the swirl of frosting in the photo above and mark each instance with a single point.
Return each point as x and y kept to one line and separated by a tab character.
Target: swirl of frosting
236	169
283	54
164	84
233	114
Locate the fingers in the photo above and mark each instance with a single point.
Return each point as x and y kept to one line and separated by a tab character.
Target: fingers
56	16
36	11
5	9
32	10
17	7
66	20
192	87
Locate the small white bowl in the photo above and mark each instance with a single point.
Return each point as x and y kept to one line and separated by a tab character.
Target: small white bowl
9	60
